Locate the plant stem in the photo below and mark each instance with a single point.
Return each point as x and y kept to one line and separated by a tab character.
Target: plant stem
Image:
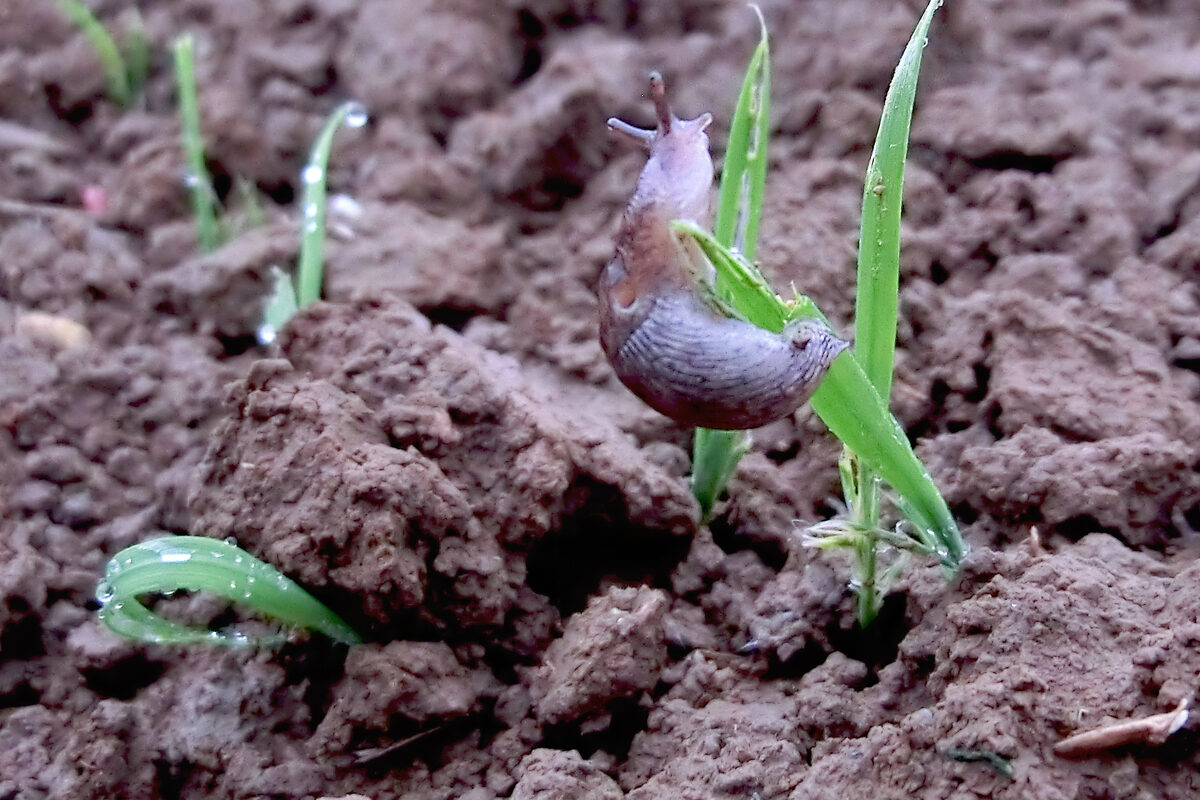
715	454
204	205
311	269
120	89
877	300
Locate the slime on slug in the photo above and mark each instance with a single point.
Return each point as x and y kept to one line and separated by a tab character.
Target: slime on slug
665	338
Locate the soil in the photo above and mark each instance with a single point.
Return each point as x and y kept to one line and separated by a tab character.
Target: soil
440	452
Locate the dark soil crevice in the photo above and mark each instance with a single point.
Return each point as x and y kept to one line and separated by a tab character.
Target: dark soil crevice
596	544
125	678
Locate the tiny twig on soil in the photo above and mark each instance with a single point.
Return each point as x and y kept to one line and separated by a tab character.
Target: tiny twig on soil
1153	730
20	208
996	761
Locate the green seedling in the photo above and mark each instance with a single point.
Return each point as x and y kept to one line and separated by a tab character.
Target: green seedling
204	199
289	297
125	72
851	400
876	308
715	454
196	563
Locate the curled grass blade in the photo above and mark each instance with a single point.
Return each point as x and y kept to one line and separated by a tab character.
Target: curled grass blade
197	563
204	199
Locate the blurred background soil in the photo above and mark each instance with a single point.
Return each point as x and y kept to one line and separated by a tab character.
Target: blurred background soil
441	453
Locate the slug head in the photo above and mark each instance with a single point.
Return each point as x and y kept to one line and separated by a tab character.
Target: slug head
818	344
680	170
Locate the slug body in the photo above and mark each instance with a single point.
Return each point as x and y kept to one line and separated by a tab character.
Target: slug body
666	341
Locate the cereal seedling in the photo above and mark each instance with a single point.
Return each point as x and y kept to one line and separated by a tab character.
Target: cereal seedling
124	72
204	198
851	399
287	297
196	563
715	454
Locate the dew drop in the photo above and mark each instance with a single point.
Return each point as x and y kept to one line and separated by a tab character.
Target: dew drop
356	115
312	174
174	557
104	592
343	205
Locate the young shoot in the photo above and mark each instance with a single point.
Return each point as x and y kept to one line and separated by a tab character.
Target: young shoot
289	297
875	314
715	454
852	398
199	564
204	199
124	71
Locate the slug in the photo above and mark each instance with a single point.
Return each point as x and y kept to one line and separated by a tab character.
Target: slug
666	340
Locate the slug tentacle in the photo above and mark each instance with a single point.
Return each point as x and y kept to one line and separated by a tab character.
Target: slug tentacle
666	343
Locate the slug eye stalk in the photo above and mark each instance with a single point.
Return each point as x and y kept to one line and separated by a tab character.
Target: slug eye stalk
197	563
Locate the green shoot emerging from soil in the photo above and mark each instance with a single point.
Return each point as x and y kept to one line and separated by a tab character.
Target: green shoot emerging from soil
715	454
851	399
287	297
204	198
196	563
124	72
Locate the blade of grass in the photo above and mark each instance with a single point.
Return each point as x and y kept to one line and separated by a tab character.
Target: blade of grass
204	199
877	300
280	307
877	303
120	90
311	270
197	563
744	173
137	51
715	454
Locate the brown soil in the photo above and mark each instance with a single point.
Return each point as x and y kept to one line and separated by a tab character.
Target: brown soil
441	453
